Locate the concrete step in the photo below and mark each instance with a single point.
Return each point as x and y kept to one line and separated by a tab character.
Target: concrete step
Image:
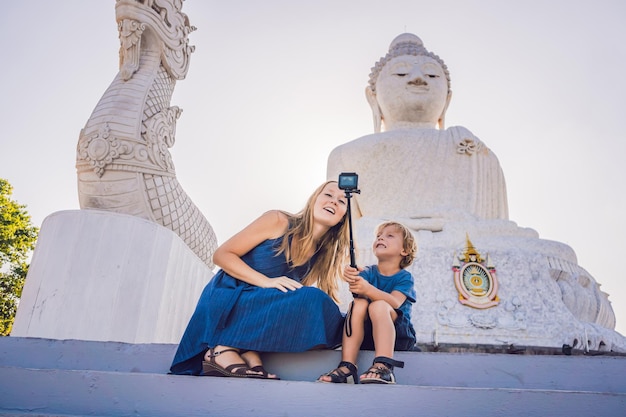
40	377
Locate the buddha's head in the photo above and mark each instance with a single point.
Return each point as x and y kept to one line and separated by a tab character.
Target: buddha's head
409	86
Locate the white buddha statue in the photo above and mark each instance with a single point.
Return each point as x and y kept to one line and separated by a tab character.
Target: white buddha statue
415	170
446	185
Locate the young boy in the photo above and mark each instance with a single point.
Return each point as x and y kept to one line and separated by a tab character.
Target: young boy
380	316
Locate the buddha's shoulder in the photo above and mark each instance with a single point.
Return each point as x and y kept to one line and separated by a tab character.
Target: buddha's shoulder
458	129
404	136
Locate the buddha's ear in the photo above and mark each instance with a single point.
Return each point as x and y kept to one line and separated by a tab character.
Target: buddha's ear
441	123
376	113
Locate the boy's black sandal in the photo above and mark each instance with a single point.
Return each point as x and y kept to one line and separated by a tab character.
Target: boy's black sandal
383	368
338	376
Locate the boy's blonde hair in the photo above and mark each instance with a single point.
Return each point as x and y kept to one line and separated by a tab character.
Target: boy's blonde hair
408	241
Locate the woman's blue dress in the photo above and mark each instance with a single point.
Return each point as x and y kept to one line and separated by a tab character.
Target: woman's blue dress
233	313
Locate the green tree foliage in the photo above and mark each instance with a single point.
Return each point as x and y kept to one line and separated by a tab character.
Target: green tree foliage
17	240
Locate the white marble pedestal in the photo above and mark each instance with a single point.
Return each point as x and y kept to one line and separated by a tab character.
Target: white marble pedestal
104	276
545	298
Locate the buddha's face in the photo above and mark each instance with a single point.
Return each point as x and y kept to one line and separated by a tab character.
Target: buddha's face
411	89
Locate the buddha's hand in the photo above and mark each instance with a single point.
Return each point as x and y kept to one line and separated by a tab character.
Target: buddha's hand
433	224
436	221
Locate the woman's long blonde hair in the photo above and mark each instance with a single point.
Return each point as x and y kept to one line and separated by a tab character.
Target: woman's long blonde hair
332	249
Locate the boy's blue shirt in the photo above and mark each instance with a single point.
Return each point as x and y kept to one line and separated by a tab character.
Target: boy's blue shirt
401	281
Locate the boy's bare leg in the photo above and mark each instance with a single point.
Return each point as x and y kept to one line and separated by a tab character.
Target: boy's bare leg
351	345
383	317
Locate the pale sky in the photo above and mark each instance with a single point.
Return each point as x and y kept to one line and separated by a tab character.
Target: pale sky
275	85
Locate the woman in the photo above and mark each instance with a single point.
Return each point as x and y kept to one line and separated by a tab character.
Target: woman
263	298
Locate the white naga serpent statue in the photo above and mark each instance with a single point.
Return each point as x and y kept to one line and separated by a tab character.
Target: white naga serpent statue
123	162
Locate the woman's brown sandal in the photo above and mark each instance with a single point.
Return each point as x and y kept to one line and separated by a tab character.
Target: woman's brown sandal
259	371
382	367
212	368
338	376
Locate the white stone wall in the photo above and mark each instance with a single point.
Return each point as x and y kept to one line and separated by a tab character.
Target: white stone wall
109	277
546	298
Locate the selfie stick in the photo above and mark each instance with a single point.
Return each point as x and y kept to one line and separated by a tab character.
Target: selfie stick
352	256
348	181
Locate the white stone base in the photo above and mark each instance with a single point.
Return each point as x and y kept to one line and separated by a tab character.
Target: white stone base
104	276
545	297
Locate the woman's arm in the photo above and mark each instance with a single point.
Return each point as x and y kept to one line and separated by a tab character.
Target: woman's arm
270	225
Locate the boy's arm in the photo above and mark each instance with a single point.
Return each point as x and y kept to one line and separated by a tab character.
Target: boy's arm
363	288
394	299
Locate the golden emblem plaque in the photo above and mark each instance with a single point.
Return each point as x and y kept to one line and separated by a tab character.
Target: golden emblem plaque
475	279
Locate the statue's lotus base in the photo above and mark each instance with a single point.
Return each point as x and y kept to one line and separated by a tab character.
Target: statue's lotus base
543	297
